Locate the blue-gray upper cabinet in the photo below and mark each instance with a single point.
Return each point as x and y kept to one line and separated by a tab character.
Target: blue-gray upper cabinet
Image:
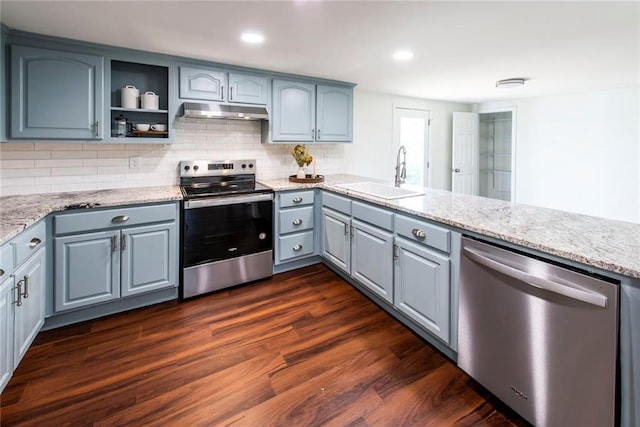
56	94
247	89
334	121
305	112
202	83
293	111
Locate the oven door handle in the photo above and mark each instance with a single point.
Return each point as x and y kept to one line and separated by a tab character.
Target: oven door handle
222	201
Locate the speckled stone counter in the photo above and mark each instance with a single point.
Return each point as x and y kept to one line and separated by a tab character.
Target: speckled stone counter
19	212
607	244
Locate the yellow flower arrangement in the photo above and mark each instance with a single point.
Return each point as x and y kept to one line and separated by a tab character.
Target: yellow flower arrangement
301	155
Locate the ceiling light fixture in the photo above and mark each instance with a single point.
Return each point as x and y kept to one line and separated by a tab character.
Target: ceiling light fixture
513	82
403	55
253	38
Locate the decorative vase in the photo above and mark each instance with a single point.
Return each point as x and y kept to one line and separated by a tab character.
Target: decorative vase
301	173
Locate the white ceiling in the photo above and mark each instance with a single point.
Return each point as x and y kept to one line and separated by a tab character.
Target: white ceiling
461	48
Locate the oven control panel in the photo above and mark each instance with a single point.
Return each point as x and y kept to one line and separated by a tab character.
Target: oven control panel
192	168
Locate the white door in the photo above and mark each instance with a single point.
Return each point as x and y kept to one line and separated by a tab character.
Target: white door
411	129
464	167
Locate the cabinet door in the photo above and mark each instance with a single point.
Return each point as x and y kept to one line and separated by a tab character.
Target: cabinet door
372	258
87	269
422	287
294	111
335	114
56	95
198	83
336	240
7	293
149	258
247	89
29	317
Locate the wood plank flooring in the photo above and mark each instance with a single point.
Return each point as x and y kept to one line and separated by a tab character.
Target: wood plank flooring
301	349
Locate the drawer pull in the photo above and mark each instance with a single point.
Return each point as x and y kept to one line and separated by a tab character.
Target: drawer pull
120	219
25	294
34	242
419	234
297	221
19	288
297	199
297	248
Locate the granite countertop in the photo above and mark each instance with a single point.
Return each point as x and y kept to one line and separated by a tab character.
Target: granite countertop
607	244
19	212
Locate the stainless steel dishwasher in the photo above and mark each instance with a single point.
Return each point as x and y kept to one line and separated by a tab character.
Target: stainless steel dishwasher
543	338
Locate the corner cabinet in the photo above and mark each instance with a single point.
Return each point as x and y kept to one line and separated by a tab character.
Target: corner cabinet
306	112
101	256
56	94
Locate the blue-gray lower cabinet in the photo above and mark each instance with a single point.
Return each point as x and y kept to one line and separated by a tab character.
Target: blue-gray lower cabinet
336	239
56	94
99	259
371	258
149	256
29	307
422	286
6	331
87	269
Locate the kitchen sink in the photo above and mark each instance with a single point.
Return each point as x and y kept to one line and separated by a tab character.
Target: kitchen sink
383	191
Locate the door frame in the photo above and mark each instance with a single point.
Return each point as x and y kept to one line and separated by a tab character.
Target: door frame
395	138
513	109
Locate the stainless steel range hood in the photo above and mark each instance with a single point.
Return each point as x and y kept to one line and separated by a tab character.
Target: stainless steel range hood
203	110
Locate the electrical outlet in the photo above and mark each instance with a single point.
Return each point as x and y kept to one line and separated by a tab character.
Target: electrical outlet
134	163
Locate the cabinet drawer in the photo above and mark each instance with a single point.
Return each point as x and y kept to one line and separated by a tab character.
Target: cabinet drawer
122	217
375	216
413	229
335	202
29	242
296	198
295	245
6	261
296	219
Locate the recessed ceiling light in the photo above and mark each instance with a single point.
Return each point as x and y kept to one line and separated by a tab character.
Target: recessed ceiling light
253	38
403	55
513	82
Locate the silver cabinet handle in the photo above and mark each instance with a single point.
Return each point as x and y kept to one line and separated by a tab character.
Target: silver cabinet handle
123	242
297	248
25	294
19	288
120	219
318	134
222	92
1	272
456	170
34	242
297	199
230	93
346	228
97	128
297	221
395	251
419	234
114	243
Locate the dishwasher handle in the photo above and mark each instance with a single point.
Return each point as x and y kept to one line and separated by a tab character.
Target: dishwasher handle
592	298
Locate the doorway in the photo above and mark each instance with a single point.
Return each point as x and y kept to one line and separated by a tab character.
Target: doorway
411	129
483	154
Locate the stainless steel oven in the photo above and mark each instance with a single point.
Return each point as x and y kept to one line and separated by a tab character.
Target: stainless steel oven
227	226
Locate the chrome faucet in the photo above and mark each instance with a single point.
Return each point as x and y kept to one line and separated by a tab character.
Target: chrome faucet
401	168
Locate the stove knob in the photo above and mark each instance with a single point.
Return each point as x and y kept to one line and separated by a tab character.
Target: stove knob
196	167
250	165
244	166
187	167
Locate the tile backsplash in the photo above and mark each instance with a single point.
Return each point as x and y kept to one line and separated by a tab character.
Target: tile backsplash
45	167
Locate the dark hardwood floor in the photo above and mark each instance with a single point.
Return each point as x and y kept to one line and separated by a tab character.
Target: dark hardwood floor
301	349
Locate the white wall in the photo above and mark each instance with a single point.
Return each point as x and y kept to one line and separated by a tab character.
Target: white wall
371	153
579	153
44	167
